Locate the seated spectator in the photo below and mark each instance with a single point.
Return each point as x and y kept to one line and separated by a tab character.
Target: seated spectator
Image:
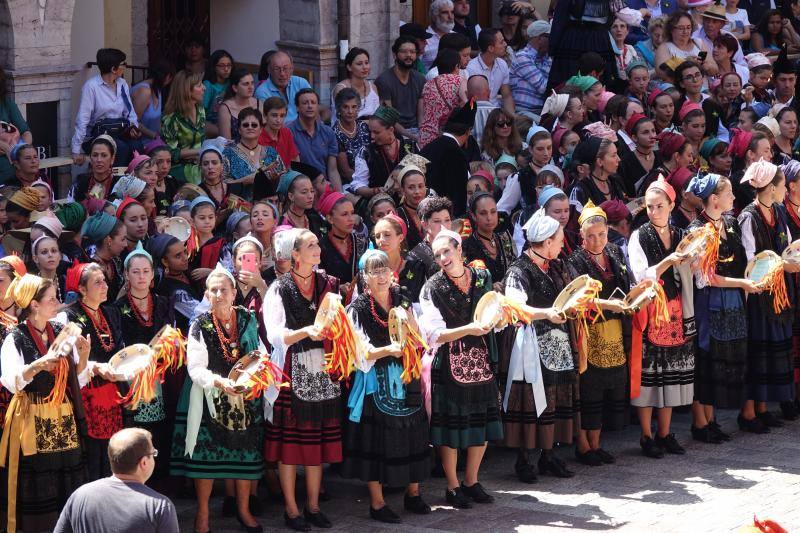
459	43
624	54
253	169
106	107
510	14
315	140
530	71
655	9
98	182
679	43
756	92
148	97
647	48
442	23
400	87
738	22
500	137
713	21
194	54
441	96
275	134
122	502
216	82
358	68
9	112
420	38
771	35
26	166
784	80
490	64
238	96
263	67
462	23
478	91
183	126
283	83
351	134
725	47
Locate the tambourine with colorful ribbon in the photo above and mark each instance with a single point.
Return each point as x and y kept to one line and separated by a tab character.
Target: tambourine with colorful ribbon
144	365
332	323
237	203
701	243
495	310
255	373
792	253
644	293
577	296
62	345
766	270
404	331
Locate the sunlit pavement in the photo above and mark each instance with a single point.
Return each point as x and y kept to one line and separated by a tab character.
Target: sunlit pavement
712	488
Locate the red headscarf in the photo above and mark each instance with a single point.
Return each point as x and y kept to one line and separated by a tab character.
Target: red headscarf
74	274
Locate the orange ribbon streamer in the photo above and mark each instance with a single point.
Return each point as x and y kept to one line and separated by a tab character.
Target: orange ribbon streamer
413	349
514	313
710	256
269	375
340	361
169	354
61	374
775	283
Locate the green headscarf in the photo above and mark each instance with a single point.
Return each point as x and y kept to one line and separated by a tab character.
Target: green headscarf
584	83
387	114
71	216
97	227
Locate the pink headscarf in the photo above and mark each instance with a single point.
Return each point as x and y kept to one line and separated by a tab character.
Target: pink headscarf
759	174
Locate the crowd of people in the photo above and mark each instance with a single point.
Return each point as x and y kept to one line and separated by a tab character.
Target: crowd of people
228	204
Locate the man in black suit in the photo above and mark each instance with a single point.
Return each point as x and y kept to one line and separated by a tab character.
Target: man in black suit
448	170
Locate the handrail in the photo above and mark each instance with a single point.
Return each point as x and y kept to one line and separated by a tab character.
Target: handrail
138	72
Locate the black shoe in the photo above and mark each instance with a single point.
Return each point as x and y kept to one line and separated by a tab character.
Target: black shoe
298	523
705	434
317	519
604	456
670	444
769	420
716	429
789	411
256	509
229	507
416	505
754	425
477	493
651	448
250	529
385	515
457	498
525	472
550	464
588	458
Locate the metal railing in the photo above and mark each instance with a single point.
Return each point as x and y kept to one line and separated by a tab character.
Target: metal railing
138	73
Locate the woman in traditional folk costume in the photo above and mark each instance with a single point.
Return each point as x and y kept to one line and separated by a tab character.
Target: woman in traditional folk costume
604	371
791	410
44	459
305	427
101	322
720	313
667	368
386	438
769	326
538	380
219	433
464	412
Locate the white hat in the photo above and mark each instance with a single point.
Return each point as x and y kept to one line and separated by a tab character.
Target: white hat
537	28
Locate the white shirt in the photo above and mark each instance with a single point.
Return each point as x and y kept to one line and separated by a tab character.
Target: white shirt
700	34
498	75
98	101
432	48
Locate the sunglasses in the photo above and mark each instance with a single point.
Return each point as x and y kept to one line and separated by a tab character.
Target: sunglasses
503	124
251	125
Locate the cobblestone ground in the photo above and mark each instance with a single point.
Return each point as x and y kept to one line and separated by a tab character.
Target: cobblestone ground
712	488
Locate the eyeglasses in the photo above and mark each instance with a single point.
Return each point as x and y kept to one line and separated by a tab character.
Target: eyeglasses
154	453
251	125
381	272
503	124
683	28
693	77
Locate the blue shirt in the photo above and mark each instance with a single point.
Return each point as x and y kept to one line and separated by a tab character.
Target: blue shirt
268	89
315	150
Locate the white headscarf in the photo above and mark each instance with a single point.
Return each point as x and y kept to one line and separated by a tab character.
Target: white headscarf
540	226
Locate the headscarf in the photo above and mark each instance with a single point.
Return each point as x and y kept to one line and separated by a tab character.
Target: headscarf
558	134
548	193
406	169
25	197
771	124
23	289
615	210
740	140
233	221
791	169
704	186
400	222
590	210
362	262
651	98
584	83
124	204
286	180
602	102
46	185
540	226
669	143
51	224
283	241
507	159
759	174
633	121
248	238
601	130
756	59
678	177
634	64
109	139
444	232
687	107
15	262
158	142
376	199
128	185
199	201
486	175
219	269
71	215
587	150
213	145
533	130
556	104
138	250
708	146
177	205
326	203
157	245
136	160
661	185
387	114
98	226
74	274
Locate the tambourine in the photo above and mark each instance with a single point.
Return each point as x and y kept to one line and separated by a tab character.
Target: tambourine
577	294
66	339
131	361
189	192
326	314
245	368
792	253
398	325
489	311
696	242
640	295
161	220
762	265
178	227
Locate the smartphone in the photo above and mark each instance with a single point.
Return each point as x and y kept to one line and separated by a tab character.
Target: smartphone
702	56
249	263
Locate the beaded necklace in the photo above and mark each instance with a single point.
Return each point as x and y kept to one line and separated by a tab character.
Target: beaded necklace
138	314
101	327
227	341
382	323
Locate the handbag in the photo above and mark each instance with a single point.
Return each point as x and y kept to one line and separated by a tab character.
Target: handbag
117	127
